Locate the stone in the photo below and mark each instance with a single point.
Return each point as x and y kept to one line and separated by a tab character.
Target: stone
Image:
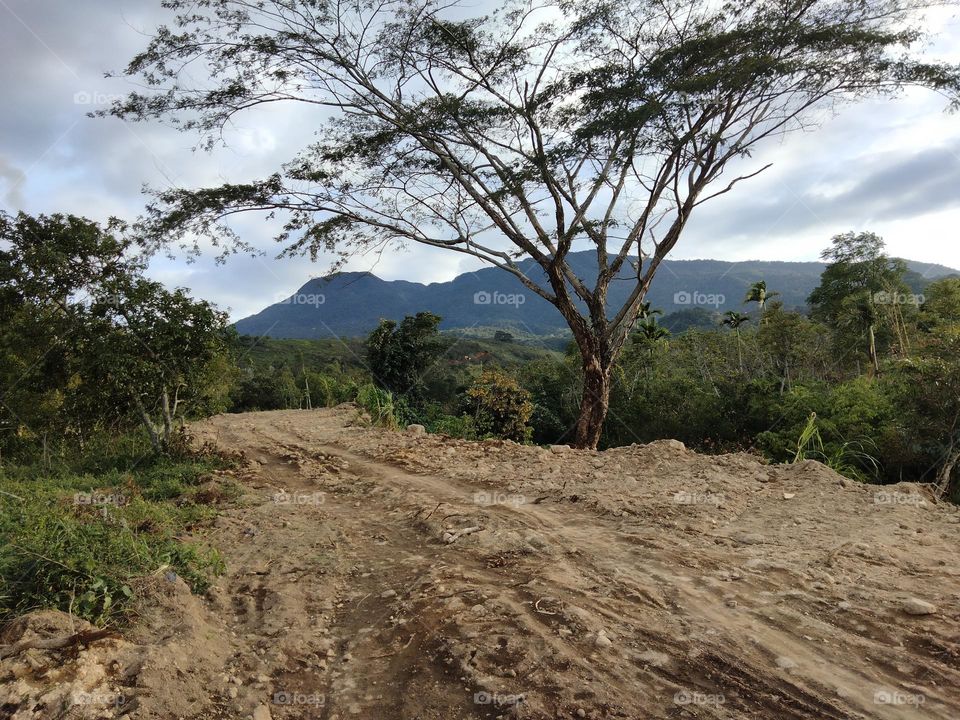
785	663
262	713
916	606
416	429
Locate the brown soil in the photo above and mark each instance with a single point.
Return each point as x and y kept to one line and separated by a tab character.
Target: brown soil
373	574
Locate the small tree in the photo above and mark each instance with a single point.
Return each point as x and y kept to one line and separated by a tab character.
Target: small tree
856	264
758	293
499	406
519	133
400	355
732	319
152	347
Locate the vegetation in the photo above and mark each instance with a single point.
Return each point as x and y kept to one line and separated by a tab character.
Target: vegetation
100	367
784	384
82	534
518	133
499	407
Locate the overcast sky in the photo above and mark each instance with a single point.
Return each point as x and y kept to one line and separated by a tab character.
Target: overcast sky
892	166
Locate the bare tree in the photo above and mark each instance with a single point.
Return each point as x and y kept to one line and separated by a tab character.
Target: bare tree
525	133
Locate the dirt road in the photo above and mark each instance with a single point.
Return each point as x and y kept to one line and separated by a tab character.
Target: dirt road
399	575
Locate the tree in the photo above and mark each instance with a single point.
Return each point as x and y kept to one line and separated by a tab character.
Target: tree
856	263
499	406
50	267
153	347
941	304
732	319
758	294
928	394
518	133
859	313
649	330
400	355
117	347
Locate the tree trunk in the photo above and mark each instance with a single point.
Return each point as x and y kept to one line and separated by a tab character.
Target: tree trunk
873	351
152	430
167	416
946	471
594	404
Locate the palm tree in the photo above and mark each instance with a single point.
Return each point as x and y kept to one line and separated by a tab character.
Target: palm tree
860	313
758	293
645	312
648	329
733	319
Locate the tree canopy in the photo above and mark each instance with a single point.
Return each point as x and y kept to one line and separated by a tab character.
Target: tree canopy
517	133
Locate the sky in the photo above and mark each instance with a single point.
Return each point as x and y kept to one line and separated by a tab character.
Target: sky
891	166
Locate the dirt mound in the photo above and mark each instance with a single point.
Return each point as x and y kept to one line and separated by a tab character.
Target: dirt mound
399	575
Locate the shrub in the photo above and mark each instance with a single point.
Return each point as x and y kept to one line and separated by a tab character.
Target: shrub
499	407
455	426
378	404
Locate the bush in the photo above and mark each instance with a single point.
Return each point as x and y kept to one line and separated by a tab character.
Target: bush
77	541
378	404
454	426
499	407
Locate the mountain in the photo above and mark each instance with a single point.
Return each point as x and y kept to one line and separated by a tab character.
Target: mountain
349	304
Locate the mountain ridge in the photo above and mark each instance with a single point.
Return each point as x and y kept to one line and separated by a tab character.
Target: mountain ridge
351	303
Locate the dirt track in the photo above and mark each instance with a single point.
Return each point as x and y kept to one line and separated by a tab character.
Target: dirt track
642	582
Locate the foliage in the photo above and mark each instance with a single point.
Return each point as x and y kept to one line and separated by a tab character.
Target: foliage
400	356
80	536
378	404
499	406
86	342
847	458
538	126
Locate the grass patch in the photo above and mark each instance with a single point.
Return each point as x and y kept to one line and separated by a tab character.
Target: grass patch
74	534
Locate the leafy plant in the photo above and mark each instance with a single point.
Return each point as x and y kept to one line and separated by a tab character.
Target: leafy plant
848	458
499	407
379	404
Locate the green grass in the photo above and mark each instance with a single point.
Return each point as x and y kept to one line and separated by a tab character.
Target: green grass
76	536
